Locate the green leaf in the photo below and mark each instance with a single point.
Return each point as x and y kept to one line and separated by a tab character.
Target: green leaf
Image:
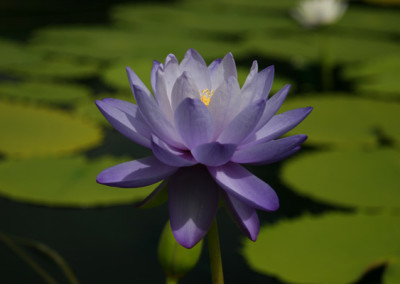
57	67
68	181
61	94
16	54
174	258
392	272
333	248
377	77
353	178
37	131
347	122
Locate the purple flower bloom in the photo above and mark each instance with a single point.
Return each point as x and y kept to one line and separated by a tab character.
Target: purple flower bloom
201	126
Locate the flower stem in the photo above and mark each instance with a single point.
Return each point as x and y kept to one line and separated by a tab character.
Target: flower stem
171	280
22	254
215	254
326	64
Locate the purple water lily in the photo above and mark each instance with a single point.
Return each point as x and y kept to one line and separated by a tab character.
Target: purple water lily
201	126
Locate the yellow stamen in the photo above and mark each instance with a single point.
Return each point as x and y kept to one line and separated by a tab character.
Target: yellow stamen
205	96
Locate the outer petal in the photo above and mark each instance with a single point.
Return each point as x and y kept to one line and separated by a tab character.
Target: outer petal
170	156
279	125
154	69
162	95
194	64
273	105
243	124
135	80
213	154
184	87
259	86
226	69
269	152
214	66
252	73
246	187
244	215
155	118
194	122
136	173
125	120
193	203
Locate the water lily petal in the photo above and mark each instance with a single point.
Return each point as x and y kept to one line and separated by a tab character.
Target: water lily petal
246	187
243	124
154	69
126	120
258	86
213	153
213	66
278	125
136	173
135	80
162	95
169	155
251	75
220	104
273	105
155	118
226	69
268	152
194	64
194	122
244	215
171	72
184	87
193	203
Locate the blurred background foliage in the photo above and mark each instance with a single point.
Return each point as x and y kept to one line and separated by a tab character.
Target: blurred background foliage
340	197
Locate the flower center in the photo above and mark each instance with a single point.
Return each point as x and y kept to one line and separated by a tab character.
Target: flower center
205	96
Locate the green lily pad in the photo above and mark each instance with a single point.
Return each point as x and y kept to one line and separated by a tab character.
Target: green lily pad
68	181
307	46
62	94
118	44
207	17
347	122
57	67
392	272
36	131
334	248
350	178
14	54
378	77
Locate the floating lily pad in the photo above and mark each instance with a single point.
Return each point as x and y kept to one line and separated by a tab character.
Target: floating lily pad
63	94
334	248
16	54
392	271
347	122
378	77
33	131
112	43
68	181
57	67
210	17
349	178
306	46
